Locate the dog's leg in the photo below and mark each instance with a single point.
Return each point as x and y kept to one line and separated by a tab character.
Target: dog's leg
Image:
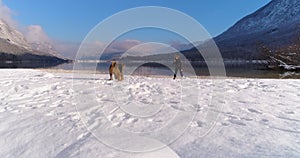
110	76
121	72
115	75
122	76
119	77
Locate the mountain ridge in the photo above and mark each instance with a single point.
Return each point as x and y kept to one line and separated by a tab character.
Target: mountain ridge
275	25
277	13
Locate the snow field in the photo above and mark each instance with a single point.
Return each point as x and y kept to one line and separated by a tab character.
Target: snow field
260	117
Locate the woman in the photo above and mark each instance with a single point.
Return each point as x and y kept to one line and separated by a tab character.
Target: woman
178	66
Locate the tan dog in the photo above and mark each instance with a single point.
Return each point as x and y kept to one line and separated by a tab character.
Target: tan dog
117	70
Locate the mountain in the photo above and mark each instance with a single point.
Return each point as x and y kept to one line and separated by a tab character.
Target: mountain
12	36
44	47
272	31
15	51
276	26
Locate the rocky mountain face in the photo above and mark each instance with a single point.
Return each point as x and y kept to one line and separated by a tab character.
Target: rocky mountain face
15	50
276	26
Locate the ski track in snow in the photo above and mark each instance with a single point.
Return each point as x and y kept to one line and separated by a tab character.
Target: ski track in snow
260	118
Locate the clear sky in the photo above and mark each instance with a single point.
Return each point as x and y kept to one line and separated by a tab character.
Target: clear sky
71	20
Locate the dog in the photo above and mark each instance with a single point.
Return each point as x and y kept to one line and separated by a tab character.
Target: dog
116	70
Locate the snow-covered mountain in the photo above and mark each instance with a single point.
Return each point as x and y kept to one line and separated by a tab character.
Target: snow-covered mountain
12	36
276	25
44	47
16	38
14	47
278	13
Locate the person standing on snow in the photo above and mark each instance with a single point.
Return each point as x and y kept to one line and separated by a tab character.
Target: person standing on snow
178	66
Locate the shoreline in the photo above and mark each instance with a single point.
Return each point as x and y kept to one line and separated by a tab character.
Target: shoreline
154	76
51	70
150	76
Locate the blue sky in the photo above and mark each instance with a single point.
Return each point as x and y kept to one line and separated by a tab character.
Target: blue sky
69	20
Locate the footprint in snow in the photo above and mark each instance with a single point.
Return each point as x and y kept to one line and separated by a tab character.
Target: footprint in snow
2	109
243	86
116	124
237	122
56	105
50	113
16	111
225	124
247	119
242	102
197	124
111	117
8	108
264	121
231	91
254	111
177	107
290	112
6	83
197	107
132	120
83	136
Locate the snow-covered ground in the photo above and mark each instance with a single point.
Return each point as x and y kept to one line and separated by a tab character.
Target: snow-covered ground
46	114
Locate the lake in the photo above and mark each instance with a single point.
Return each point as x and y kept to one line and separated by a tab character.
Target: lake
152	70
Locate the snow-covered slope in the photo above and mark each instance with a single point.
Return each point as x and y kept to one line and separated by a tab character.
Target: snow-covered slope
12	35
275	25
276	14
14	47
44	47
17	41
